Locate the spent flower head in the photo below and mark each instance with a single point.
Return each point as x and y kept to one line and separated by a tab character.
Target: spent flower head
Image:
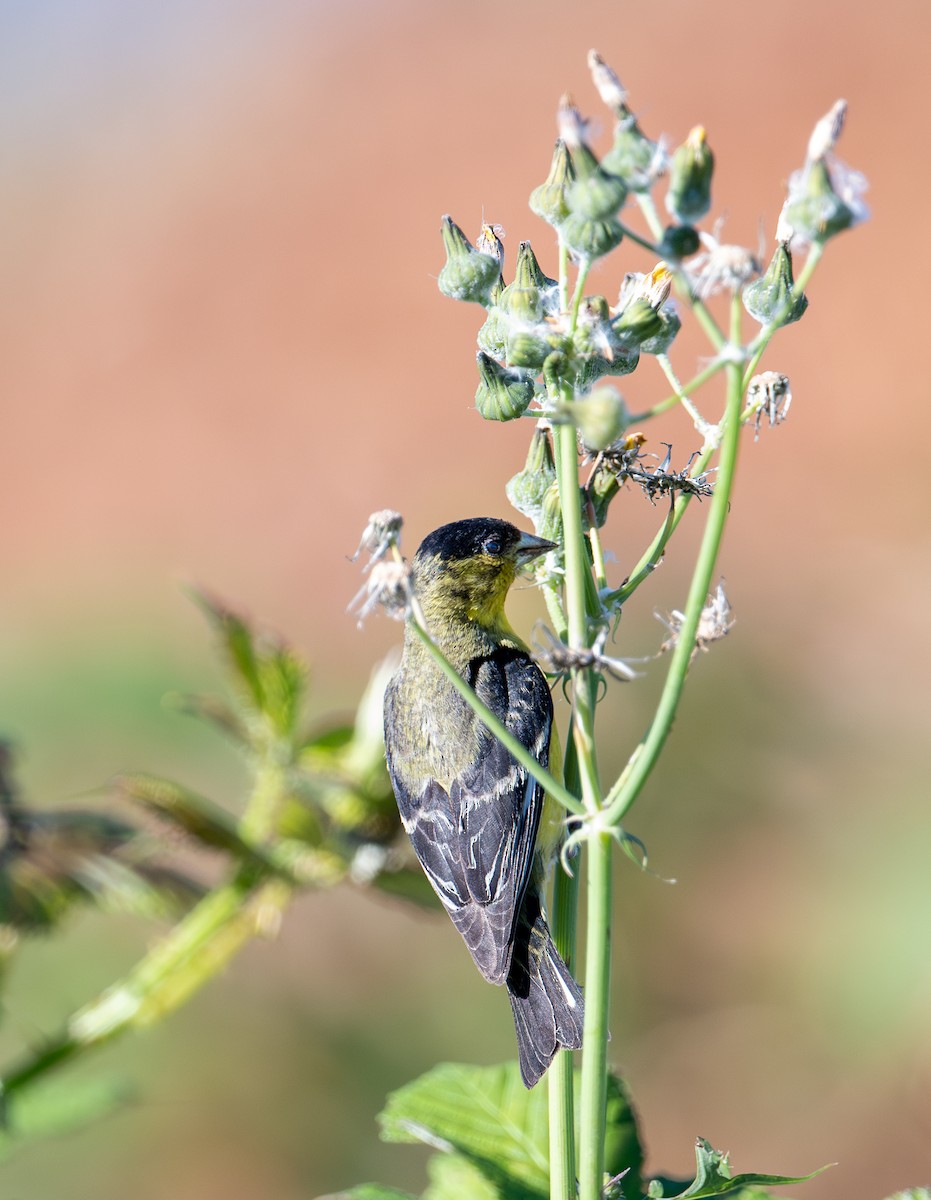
381	533
769	394
607	84
715	622
721	267
389	587
556	658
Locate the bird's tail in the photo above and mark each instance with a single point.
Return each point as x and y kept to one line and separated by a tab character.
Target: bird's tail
545	1000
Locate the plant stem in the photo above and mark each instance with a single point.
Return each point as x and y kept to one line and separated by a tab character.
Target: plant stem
628	787
192	953
595	1040
577	588
597	956
671	401
560	1077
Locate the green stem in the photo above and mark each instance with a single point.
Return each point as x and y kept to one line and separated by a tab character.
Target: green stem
579	589
671	401
593	1097
560	1077
682	395
192	953
520	752
634	237
628	787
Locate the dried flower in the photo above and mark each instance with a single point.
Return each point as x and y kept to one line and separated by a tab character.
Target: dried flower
714	623
489	242
721	267
381	533
388	586
769	394
661	481
556	658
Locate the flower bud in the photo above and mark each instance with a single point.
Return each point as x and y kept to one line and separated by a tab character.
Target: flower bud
588	238
602	488
468	274
689	196
549	199
679	241
634	158
647	319
502	395
528	487
597	345
493	335
558	368
599	417
769	299
595	193
529	278
550	520
526	350
813	210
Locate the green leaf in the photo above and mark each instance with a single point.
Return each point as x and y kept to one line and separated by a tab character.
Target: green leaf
486	1115
283	678
369	1191
917	1193
453	1177
237	643
713	1176
212	710
51	1108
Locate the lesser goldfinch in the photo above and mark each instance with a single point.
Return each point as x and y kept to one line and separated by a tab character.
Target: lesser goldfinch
484	830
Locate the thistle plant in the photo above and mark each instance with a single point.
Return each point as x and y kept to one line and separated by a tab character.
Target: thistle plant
550	352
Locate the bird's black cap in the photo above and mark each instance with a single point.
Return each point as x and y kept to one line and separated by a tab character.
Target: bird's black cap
480	535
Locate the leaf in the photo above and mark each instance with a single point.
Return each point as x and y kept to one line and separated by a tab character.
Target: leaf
283	679
369	1191
236	641
453	1177
713	1176
196	815
52	1108
199	817
916	1193
486	1115
212	710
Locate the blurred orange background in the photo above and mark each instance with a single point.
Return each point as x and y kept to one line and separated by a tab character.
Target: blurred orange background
222	346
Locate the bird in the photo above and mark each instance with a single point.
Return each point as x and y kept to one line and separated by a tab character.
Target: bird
483	829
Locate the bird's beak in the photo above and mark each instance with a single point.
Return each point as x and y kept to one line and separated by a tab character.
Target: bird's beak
532	547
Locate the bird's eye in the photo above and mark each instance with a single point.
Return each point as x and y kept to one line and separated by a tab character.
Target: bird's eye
492	545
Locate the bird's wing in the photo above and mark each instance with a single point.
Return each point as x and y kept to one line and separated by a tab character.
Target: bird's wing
498	807
475	840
